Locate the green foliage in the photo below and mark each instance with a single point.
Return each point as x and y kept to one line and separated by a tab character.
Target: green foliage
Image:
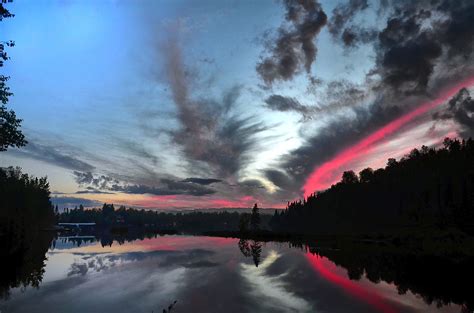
426	187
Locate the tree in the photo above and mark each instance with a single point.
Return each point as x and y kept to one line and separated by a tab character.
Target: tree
255	218
10	133
391	162
349	177
366	175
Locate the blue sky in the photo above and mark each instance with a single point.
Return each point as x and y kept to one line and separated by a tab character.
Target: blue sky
92	84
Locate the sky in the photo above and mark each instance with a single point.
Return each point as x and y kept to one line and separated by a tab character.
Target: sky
213	104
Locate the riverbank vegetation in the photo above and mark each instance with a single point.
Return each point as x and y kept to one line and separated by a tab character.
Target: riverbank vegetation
126	219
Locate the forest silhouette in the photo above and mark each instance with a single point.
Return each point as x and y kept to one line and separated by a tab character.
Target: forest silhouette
427	187
129	219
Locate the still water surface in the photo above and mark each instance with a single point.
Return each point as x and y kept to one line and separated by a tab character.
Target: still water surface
204	274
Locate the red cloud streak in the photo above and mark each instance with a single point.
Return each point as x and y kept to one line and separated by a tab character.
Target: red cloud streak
323	175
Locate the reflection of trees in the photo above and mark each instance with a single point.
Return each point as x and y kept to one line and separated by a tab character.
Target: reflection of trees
251	248
24	264
436	279
244	247
25	210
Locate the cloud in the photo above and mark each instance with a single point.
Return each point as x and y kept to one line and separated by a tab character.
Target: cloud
52	155
353	36
95	181
286	104
163	186
280	179
460	109
201	181
407	54
332	138
138	149
337	95
91	190
293	48
344	13
342	29
417	54
251	184
211	136
422	41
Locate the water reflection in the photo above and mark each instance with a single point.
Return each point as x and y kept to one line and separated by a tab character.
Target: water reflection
23	262
208	274
251	248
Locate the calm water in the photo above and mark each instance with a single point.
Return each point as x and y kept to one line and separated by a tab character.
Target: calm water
207	274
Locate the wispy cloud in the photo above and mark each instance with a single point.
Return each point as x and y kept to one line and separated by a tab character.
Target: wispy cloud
211	134
53	155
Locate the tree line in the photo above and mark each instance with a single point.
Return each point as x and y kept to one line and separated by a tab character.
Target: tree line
428	186
194	222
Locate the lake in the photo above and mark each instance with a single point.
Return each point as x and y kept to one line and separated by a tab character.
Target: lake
211	274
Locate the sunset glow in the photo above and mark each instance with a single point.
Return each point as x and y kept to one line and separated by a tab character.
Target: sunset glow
329	172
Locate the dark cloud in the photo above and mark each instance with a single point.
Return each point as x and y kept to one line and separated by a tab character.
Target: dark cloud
163	186
280	179
169	188
201	181
341	94
343	14
95	181
91	190
422	41
342	28
286	104
423	47
53	155
353	36
293	48
251	183
297	165
337	95
211	137
460	109
407	54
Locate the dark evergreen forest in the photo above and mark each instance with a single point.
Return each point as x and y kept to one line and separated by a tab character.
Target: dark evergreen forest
427	187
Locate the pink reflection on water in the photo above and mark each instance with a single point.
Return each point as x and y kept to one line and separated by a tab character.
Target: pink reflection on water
328	270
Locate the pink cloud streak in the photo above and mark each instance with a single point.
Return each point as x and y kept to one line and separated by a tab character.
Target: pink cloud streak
323	175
